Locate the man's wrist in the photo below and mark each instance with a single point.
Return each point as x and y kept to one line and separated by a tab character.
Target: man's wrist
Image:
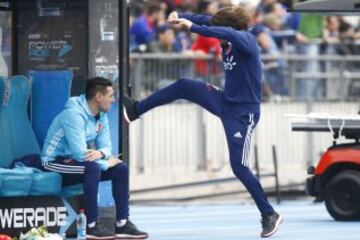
190	25
102	155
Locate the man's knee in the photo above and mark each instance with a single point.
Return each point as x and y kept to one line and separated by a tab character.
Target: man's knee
92	168
121	170
183	82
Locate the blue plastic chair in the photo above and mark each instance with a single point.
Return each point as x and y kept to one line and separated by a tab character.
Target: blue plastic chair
50	91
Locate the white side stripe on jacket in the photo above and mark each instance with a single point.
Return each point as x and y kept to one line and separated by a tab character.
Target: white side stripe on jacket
54	142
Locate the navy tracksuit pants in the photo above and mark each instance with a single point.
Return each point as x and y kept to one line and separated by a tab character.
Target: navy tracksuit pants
238	127
90	174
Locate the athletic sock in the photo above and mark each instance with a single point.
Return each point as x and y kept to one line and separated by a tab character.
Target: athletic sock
91	225
121	223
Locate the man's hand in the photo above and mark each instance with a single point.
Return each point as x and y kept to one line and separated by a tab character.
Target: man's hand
173	16
92	155
112	161
182	22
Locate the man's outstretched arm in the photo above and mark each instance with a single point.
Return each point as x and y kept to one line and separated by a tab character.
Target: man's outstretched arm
242	40
196	18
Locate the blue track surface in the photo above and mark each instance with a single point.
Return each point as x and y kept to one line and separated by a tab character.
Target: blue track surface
303	220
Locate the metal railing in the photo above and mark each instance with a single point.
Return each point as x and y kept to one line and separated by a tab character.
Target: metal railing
339	76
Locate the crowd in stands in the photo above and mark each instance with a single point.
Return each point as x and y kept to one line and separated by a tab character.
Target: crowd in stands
277	31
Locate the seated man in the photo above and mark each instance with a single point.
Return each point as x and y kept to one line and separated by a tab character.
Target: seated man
78	147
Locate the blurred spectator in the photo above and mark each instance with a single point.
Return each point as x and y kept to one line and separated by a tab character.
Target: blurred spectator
166	41
274	69
168	6
208	7
224	3
143	28
312	27
357	30
206	45
346	30
136	8
272	21
331	31
187	5
277	10
184	39
288	20
332	46
264	5
285	31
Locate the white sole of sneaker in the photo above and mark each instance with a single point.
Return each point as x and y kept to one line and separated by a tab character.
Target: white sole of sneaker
126	116
91	237
127	236
278	222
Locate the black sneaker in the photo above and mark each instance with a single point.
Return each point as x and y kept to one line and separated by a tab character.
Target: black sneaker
129	231
129	109
99	231
270	224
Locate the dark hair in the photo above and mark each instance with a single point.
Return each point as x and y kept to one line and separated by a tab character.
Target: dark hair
152	7
269	8
236	17
95	85
202	6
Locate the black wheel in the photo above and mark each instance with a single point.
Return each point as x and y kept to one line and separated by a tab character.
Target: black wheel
342	196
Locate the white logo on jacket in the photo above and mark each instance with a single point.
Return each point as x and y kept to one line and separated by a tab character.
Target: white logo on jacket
229	64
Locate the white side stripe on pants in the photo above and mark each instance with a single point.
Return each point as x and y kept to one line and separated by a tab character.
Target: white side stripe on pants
247	143
60	168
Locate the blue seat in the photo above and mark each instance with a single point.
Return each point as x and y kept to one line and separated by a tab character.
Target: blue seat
42	183
15	182
50	91
18	138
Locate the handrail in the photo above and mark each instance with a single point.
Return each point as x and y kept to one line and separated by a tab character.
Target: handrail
291	57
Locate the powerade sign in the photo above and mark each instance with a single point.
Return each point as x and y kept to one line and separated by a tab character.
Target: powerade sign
46	48
52	35
5	5
20	214
30	217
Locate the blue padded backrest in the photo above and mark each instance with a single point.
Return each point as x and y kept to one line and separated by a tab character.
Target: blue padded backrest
50	91
17	134
2	88
6	154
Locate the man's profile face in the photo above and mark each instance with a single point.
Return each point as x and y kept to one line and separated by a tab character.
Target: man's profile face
105	100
